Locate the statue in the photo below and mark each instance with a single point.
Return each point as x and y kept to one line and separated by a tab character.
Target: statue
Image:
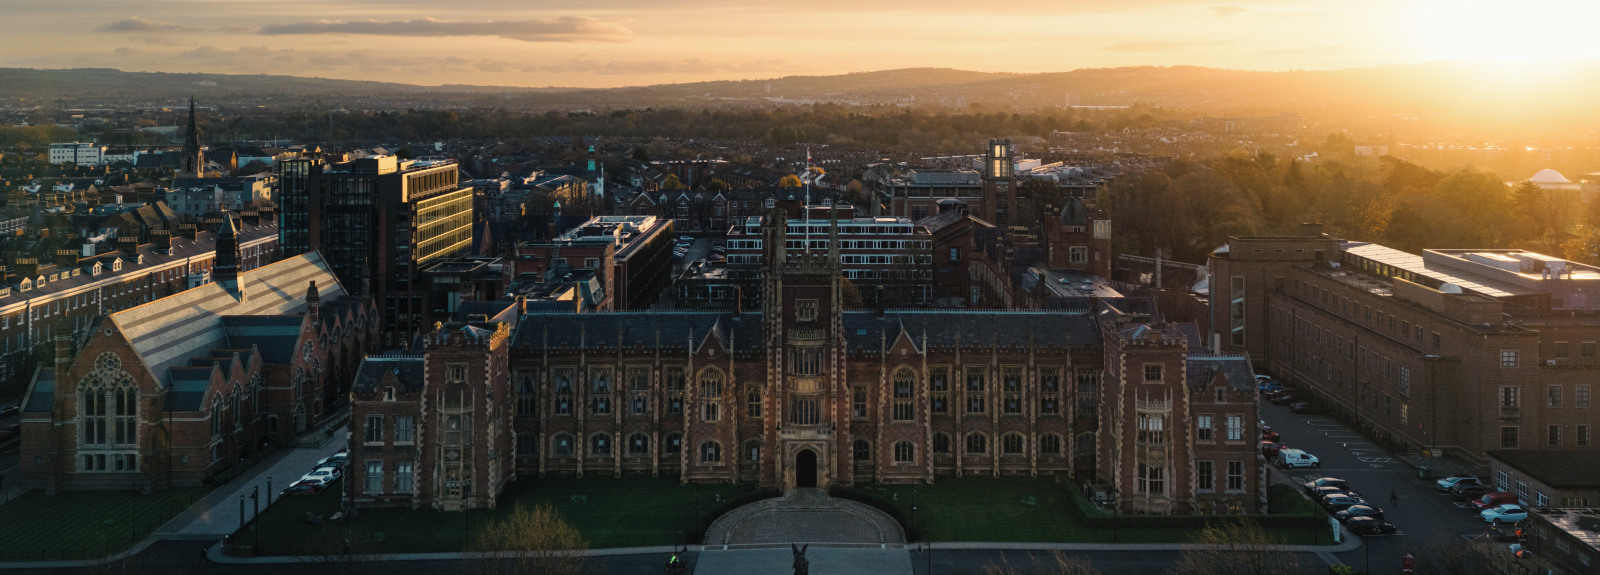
801	565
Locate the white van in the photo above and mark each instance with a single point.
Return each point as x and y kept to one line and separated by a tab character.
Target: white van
1292	458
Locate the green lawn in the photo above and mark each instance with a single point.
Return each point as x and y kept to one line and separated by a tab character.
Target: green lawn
1021	509
85	524
619	512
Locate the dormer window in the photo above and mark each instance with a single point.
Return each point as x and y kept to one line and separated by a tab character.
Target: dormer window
772	203
388	394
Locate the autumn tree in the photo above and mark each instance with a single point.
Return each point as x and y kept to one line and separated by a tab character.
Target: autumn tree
1239	547
672	183
537	541
790	181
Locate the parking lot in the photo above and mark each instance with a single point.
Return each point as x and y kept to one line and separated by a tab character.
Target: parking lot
1419	511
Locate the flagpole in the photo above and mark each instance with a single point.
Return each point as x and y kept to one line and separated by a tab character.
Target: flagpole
805	210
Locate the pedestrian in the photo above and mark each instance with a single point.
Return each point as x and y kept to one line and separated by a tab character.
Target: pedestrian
1394	498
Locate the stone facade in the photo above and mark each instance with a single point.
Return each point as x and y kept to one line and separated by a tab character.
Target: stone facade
802	393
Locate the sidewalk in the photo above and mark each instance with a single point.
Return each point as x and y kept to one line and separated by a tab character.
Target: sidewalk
1348	543
218	514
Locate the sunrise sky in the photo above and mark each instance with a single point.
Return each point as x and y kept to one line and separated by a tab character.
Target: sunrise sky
603	43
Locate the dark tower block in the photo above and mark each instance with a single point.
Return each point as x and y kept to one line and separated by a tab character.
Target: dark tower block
805	355
999	182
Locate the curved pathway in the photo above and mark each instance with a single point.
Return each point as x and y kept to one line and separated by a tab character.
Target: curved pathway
804	516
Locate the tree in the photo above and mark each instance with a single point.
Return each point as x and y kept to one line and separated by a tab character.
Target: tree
1584	248
640	155
790	181
671	183
538	541
405	153
717	185
1239	547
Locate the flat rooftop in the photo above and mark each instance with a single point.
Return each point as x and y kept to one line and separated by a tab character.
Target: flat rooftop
1493	273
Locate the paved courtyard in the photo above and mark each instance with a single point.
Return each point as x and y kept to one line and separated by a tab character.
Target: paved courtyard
829	561
804	516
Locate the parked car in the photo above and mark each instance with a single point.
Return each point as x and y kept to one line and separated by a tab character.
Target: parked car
1370	526
1292	458
1459	486
1494	498
1340	502
304	488
1448	482
1267	434
11	432
323	474
1354	511
1504	513
1277	392
1321	493
1470	492
9	411
1312	485
338	460
1304	408
1270	449
1283	399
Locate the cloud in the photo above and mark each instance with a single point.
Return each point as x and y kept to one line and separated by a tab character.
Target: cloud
126	51
137	24
1226	11
1158	46
564	29
235	29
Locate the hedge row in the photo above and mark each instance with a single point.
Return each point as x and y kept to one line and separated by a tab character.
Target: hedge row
1093	516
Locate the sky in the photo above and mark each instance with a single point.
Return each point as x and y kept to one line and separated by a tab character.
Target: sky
608	43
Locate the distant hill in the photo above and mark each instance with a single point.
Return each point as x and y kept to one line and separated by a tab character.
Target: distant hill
1553	95
78	82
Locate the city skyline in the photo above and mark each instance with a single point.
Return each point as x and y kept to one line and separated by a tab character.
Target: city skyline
612	43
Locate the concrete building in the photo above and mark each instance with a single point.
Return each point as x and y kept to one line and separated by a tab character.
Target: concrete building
631	256
799	392
195	196
80	153
378	221
1460	351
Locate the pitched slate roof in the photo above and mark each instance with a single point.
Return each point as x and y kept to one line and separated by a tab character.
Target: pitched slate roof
1059	328
637	329
188	390
1241	377
43	396
406	369
273	335
168	331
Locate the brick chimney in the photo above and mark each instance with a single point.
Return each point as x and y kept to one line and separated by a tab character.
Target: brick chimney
250	217
162	238
188	231
66	258
26	267
128	244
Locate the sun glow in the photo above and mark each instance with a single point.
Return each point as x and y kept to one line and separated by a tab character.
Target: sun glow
1519	30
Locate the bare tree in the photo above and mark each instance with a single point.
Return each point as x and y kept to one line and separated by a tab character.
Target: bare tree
1239	547
537	541
1064	565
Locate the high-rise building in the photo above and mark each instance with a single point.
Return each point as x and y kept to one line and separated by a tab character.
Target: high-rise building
377	222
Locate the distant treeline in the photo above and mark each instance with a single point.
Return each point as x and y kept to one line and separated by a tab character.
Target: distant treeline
1190	209
874	127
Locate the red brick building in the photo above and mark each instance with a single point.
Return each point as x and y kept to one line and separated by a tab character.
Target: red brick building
800	393
174	391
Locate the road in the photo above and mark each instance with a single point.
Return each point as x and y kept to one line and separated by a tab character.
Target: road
1422	513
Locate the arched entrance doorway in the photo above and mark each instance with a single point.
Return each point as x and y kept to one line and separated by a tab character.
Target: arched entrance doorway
805	468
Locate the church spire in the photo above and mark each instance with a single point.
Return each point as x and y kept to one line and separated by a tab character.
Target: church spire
193	160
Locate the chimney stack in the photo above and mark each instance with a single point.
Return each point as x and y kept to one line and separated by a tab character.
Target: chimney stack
26	267
188	231
162	238
128	244
66	258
